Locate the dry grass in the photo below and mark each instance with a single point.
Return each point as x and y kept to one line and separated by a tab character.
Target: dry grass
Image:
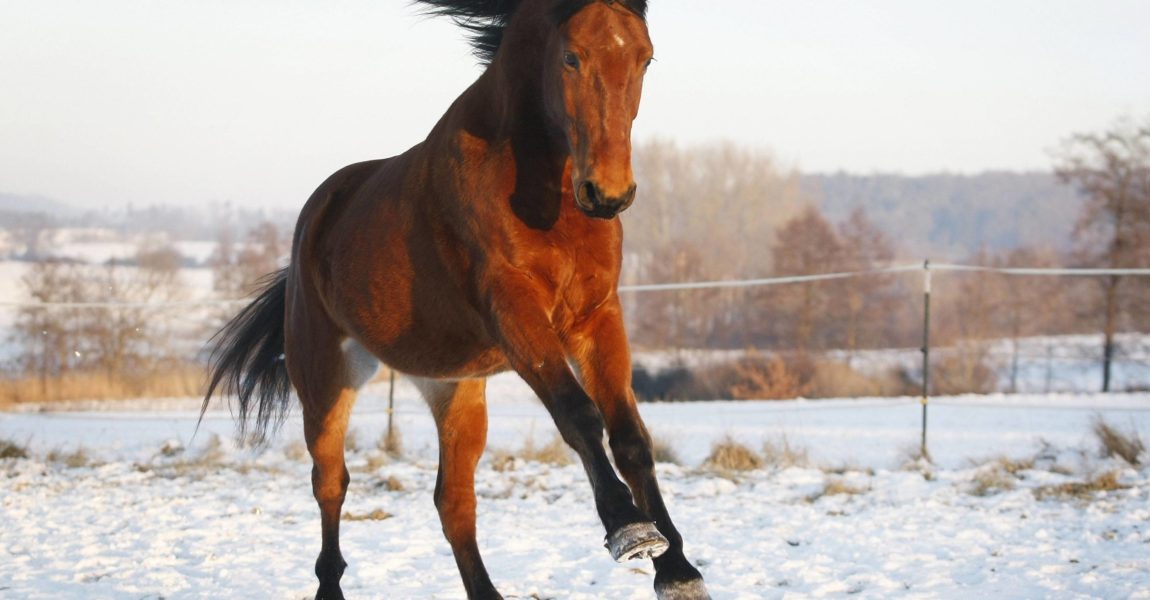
1126	445
376	515
838	486
966	368
782	454
771	378
555	453
75	459
664	452
12	450
833	379
210	458
175	381
992	480
729	455
1106	482
391	443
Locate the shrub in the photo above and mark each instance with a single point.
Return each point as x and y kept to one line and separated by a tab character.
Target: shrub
964	369
730	455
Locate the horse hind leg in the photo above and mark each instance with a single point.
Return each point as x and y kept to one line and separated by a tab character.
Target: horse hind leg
460	411
326	379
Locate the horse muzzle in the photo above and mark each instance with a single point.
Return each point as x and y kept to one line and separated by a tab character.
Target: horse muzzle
590	199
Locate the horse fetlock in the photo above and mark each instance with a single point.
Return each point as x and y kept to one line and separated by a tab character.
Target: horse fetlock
329	592
692	589
637	540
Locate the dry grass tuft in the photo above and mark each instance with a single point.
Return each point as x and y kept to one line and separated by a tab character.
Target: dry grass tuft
992	480
75	459
502	461
12	450
393	484
664	452
555	453
838	486
1126	445
781	454
376	515
730	455
1106	482
391	443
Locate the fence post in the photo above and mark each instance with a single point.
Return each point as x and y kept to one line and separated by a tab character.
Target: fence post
925	353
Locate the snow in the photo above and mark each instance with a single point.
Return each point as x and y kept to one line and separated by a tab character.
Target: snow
146	511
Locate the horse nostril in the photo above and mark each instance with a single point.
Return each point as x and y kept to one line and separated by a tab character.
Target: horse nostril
591	195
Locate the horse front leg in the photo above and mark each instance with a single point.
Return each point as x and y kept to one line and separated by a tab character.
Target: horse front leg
535	351
601	351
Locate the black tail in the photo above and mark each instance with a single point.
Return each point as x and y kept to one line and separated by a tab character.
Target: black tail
248	361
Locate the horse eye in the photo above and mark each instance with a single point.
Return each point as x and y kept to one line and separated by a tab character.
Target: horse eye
648	63
571	60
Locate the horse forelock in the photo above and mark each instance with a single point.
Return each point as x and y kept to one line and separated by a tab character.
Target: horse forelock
486	20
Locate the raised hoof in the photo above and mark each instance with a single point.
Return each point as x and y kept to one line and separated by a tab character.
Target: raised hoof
693	589
637	540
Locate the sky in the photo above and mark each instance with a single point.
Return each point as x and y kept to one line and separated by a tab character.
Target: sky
254	102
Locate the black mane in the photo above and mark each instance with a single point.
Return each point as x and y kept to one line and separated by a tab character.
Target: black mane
485	20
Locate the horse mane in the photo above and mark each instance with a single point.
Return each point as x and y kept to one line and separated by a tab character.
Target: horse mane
485	20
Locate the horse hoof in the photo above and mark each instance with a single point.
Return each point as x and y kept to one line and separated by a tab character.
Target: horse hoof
693	589
637	540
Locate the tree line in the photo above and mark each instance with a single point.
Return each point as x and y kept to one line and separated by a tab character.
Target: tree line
722	212
711	212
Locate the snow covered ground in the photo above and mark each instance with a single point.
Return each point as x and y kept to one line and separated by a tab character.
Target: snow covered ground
123	503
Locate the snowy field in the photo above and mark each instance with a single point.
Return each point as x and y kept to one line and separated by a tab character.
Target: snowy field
123	503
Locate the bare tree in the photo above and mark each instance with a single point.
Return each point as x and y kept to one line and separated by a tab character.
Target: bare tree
805	245
867	304
1112	170
46	333
704	212
264	251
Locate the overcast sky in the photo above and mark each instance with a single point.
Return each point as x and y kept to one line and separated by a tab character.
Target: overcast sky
254	102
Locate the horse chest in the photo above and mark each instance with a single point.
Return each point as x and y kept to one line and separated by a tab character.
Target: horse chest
580	274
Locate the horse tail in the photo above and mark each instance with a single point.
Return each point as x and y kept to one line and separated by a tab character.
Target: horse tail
248	361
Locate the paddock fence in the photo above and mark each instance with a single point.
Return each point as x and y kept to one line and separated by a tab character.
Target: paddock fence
149	334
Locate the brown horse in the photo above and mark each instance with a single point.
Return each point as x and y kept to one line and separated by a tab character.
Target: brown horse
491	245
